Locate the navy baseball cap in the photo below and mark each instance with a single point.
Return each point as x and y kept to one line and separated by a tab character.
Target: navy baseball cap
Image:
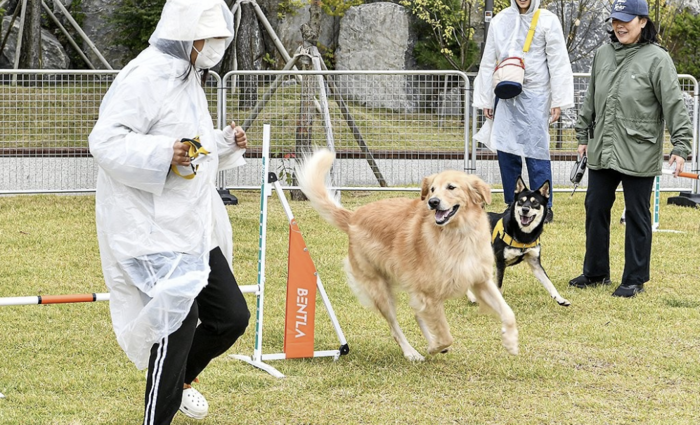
626	10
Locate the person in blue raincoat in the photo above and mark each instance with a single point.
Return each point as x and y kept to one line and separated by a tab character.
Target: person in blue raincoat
164	234
519	127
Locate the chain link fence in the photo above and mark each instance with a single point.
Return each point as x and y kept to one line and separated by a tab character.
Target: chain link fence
389	128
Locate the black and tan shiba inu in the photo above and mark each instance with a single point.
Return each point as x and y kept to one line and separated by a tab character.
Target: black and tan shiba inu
515	235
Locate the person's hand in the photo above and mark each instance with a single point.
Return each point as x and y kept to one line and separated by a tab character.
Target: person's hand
582	150
488	113
679	161
180	154
234	134
555	113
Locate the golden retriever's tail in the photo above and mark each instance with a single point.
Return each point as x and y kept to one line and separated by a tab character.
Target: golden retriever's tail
311	176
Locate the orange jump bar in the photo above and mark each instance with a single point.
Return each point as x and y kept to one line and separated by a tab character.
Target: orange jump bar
54	299
682	174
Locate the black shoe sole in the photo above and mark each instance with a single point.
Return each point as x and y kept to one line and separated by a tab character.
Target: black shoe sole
590	284
627	292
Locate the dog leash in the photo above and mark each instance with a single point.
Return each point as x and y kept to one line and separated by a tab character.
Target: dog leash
578	171
194	149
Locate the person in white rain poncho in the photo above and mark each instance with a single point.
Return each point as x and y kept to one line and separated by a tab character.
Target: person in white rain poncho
520	126
164	233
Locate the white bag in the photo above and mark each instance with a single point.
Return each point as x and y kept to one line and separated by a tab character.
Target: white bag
508	77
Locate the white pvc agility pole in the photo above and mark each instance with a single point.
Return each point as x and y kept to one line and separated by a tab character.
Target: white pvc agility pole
268	181
76	298
256	359
657	189
657	200
54	299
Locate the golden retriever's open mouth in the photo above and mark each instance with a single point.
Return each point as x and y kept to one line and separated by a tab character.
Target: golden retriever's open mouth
443	216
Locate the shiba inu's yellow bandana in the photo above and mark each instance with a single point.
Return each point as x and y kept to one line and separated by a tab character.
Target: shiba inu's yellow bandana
500	233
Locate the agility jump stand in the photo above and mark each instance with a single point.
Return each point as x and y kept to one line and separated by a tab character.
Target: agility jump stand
657	200
303	282
52	299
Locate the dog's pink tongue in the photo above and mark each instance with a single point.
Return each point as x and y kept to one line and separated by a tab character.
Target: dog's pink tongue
441	214
525	220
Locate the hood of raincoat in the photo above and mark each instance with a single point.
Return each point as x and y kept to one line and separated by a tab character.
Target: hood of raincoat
534	5
155	229
177	27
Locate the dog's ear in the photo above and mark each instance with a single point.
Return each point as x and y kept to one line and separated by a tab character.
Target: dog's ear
425	186
479	191
545	190
520	185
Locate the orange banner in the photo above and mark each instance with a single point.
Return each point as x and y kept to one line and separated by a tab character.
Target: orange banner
301	298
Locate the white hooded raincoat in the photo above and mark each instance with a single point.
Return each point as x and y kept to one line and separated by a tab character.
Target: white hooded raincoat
521	124
156	229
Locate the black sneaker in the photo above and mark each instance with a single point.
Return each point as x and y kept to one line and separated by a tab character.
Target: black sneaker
628	291
583	282
549	217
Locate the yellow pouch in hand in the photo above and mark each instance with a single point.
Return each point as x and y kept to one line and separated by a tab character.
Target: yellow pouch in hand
195	149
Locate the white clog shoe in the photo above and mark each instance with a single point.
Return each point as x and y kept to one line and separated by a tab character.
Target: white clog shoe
193	403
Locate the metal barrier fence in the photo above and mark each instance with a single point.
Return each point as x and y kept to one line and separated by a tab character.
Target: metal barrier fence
389	128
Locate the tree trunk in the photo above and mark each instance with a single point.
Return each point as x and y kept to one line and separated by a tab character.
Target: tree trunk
305	124
228	61
247	42
30	53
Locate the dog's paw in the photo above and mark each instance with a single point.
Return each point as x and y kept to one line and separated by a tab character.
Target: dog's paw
413	356
562	301
510	340
471	296
439	349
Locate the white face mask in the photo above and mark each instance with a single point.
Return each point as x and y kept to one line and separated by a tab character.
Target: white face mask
211	53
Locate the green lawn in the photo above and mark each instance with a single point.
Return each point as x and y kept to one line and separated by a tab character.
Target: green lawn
603	360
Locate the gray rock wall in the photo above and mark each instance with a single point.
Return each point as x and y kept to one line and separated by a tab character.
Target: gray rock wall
98	29
289	33
52	55
376	37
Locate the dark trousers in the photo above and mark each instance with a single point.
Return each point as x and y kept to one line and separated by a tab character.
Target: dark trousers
511	166
178	358
600	198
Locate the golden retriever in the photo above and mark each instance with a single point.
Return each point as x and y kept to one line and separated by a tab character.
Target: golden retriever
434	248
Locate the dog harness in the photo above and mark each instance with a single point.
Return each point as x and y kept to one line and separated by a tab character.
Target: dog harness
499	232
194	150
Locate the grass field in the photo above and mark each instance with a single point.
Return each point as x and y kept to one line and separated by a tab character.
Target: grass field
603	360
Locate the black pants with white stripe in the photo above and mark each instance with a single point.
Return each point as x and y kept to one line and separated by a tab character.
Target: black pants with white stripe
182	355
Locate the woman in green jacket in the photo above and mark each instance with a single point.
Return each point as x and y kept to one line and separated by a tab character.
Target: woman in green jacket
633	89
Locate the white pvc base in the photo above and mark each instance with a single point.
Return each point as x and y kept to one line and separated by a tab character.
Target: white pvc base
280	356
260	365
325	353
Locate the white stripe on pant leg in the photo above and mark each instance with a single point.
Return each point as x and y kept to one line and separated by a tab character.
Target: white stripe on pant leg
155	382
159	371
149	403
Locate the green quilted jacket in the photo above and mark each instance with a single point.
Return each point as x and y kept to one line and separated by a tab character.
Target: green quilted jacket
633	90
